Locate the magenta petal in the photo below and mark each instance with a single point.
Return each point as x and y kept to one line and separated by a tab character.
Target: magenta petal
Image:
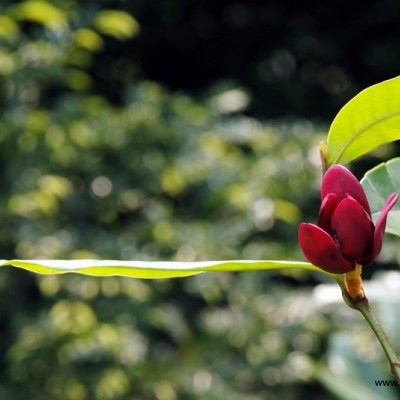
381	225
320	249
354	230
325	214
340	180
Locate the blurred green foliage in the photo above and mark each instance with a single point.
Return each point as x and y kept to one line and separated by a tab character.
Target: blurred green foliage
162	175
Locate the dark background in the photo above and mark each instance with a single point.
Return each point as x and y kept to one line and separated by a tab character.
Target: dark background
296	58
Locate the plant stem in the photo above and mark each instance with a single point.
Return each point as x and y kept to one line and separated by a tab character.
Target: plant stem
323	152
391	355
362	305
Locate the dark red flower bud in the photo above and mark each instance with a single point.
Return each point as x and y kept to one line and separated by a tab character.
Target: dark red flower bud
345	234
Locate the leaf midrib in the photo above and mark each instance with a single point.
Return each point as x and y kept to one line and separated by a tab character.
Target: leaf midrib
361	131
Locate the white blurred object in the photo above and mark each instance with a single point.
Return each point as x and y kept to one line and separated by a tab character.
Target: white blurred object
385	288
231	101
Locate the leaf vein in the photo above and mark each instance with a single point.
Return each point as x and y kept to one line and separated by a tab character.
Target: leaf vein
361	131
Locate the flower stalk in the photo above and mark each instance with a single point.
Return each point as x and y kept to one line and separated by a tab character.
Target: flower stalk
353	283
362	305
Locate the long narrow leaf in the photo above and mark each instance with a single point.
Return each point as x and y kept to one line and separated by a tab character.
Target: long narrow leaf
152	269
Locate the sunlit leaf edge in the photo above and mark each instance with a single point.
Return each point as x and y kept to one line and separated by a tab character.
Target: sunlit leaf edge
355	106
153	269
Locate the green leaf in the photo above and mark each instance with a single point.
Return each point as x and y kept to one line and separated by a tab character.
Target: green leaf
369	120
41	12
152	269
116	23
379	183
8	28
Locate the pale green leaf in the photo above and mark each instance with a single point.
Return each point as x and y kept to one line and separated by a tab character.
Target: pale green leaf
41	12
378	184
369	120
116	23
88	39
8	28
152	269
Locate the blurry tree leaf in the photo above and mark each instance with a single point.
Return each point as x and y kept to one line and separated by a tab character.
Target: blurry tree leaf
56	185
78	80
378	184
151	269
8	28
41	12
369	120
7	62
116	23
88	39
